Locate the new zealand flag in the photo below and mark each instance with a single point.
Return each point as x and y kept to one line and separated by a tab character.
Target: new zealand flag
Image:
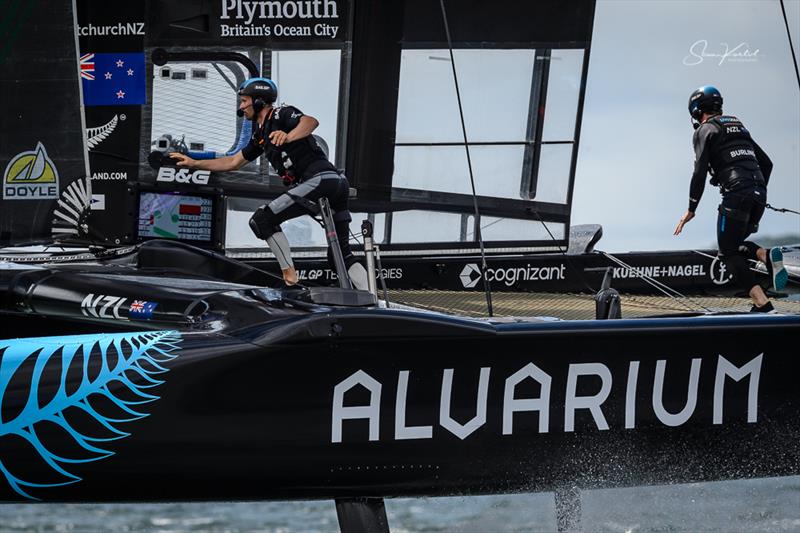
142	310
113	79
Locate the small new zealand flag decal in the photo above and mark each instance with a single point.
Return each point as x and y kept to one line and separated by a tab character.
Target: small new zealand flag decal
142	310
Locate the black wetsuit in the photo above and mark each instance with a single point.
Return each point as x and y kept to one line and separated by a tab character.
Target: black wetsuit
741	169
304	166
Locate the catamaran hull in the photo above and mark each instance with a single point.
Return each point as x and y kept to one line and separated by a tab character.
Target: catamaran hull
395	403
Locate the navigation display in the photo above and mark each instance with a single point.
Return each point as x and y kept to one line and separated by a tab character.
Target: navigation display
175	216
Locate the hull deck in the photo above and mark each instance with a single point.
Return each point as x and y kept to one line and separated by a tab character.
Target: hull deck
572	306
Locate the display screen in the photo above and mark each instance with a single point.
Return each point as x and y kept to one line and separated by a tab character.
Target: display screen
175	216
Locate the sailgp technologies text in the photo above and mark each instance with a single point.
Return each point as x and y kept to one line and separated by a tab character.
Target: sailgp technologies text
327	274
248	18
516	399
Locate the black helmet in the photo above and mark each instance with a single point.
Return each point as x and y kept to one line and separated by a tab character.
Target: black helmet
705	100
263	91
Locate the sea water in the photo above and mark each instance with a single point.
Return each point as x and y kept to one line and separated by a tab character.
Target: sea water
759	505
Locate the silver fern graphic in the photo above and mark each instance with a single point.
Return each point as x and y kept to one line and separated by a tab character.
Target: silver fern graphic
74	205
123	366
97	135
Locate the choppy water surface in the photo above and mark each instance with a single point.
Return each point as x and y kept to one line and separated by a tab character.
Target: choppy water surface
768	505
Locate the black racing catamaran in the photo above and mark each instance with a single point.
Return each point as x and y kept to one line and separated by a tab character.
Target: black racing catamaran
145	354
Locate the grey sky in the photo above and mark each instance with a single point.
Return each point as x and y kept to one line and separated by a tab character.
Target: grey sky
635	158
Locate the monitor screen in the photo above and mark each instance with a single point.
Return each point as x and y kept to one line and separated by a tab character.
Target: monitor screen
175	216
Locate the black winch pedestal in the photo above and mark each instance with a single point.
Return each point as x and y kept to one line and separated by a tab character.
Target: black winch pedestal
607	302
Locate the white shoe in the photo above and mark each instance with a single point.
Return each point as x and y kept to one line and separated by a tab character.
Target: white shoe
779	275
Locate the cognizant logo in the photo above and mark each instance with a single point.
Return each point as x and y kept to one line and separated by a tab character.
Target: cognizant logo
471	274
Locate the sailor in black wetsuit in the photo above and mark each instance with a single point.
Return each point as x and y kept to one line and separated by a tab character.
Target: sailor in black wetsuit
283	134
741	169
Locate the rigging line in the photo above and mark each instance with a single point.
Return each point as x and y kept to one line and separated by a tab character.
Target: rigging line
469	233
791	46
478	234
666	289
782	210
752	261
654	283
563	253
354	237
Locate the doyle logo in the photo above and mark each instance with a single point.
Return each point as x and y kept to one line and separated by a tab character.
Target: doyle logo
95	136
183	175
719	272
31	175
103	306
470	275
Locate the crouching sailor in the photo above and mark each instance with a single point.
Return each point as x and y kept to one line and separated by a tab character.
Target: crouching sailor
283	134
741	169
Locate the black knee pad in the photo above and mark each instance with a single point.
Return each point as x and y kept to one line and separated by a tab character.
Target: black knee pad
264	223
749	249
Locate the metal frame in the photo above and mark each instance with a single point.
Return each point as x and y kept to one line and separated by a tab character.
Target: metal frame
527	209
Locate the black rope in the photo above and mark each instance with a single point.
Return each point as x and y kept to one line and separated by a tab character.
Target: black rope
782	210
478	234
791	46
577	270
